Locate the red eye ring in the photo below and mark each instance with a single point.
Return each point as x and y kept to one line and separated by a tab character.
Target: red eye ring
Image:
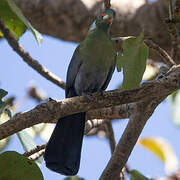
103	15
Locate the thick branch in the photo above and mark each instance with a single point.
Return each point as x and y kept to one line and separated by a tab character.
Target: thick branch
115	112
140	113
63	19
51	110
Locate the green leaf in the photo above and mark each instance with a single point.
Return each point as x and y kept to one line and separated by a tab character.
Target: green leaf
18	12
11	20
17	167
73	178
28	143
161	148
15	20
133	62
136	175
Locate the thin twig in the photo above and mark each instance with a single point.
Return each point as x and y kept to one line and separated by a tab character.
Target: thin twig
35	150
37	155
165	56
107	4
110	134
28	59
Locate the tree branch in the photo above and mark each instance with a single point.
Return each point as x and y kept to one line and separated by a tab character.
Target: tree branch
140	113
114	112
28	59
165	56
51	110
35	150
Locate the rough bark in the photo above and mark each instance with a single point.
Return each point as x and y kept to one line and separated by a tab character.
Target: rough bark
69	20
140	113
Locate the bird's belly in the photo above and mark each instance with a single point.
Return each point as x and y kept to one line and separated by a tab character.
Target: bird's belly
90	80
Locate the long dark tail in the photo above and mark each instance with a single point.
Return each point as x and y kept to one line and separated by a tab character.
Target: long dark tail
63	150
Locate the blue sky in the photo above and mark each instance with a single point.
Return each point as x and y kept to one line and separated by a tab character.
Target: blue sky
15	76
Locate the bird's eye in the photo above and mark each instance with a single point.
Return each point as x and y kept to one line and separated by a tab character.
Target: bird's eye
102	15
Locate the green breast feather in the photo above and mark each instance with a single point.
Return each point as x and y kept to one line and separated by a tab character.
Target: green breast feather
97	49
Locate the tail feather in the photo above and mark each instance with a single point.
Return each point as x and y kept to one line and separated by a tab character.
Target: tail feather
63	150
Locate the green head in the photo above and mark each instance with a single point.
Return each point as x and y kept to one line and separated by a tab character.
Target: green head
104	20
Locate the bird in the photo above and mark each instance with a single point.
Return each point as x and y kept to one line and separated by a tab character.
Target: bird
90	70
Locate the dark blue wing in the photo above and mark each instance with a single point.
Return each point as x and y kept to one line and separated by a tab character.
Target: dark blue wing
73	69
109	76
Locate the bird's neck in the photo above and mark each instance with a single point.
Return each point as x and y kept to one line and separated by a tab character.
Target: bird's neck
103	27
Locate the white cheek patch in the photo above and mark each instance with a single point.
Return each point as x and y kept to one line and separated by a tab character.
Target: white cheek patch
93	26
105	17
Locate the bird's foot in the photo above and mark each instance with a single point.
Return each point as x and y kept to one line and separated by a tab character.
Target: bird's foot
87	95
99	93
